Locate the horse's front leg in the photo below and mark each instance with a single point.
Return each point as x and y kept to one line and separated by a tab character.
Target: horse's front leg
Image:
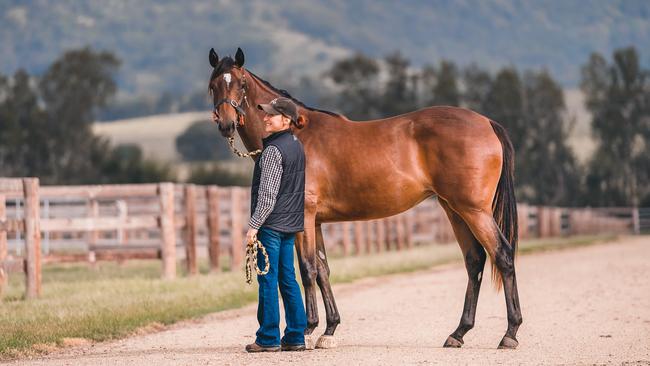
306	249
326	340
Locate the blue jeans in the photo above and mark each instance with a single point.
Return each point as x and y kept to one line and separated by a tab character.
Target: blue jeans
279	247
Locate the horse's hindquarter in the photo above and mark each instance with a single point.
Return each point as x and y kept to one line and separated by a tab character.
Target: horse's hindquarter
462	153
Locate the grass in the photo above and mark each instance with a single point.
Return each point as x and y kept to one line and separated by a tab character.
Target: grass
112	300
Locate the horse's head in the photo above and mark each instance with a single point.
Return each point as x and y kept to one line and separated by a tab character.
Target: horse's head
228	89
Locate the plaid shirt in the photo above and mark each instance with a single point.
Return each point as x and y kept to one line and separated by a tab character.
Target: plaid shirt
271	175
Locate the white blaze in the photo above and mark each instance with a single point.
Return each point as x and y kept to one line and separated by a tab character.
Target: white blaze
227	78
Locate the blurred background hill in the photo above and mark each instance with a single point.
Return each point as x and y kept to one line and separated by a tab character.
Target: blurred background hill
164	44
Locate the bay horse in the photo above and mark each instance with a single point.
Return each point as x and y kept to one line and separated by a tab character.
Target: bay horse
373	169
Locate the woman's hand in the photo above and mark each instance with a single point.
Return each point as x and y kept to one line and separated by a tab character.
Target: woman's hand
251	235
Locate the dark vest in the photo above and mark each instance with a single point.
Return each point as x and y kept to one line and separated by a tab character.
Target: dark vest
289	211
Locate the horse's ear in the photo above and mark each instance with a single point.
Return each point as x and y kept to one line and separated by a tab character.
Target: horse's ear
214	59
239	57
301	121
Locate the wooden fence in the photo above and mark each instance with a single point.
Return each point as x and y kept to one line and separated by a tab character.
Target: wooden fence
167	221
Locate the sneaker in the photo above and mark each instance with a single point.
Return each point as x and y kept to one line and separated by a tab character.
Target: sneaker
254	347
293	347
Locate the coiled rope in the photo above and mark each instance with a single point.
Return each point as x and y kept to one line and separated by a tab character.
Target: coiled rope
251	260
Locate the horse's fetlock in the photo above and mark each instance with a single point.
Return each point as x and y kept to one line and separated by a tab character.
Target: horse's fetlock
515	319
312	324
465	326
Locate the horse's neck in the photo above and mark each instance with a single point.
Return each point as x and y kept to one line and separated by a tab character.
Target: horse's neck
253	133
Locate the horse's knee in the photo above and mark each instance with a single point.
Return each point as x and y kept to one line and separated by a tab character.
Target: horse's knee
308	274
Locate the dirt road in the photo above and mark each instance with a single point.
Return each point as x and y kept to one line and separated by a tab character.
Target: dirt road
580	306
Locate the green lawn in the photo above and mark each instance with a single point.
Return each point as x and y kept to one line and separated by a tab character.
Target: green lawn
112	301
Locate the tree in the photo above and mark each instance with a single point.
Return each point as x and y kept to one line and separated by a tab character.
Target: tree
618	97
357	77
23	128
202	142
399	92
504	103
445	91
477	84
72	89
46	125
548	168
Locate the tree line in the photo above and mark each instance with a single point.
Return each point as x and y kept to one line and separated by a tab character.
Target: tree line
46	122
46	125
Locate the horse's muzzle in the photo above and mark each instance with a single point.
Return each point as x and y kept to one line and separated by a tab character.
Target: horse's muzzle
227	129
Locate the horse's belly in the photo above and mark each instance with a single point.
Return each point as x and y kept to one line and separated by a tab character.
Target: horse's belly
371	202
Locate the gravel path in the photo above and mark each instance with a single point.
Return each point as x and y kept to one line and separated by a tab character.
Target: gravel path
587	305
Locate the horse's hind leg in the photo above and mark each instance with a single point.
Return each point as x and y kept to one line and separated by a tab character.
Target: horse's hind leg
486	230
333	319
505	264
474	256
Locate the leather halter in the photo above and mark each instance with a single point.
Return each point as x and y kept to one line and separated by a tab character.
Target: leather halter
241	113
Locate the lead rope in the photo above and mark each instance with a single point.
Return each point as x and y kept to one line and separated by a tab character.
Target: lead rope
251	260
231	142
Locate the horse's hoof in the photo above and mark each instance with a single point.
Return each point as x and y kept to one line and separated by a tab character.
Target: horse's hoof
310	343
326	341
452	342
508	343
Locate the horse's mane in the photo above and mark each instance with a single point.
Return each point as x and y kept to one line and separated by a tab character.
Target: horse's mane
227	63
286	94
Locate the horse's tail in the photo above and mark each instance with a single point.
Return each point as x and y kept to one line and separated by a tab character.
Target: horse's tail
504	204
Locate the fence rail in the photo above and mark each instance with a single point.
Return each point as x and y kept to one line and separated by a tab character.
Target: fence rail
167	221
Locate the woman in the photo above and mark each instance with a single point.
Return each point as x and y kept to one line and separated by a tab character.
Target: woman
277	207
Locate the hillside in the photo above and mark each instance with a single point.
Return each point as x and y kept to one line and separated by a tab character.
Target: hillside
164	44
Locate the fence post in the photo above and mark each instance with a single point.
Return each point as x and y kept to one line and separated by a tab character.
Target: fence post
213	227
358	238
379	234
168	230
400	232
388	233
190	229
32	237
368	234
408	227
3	247
236	236
123	214
636	224
522	213
93	235
345	233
